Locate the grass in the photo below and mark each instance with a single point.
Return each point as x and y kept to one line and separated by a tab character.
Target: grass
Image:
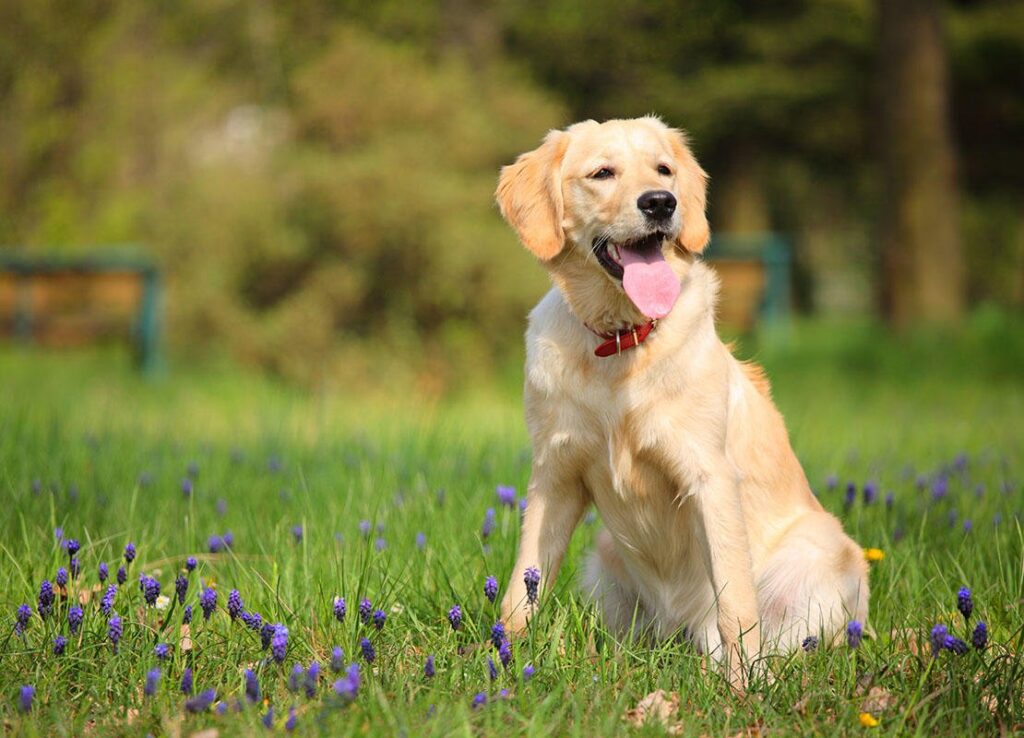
108	452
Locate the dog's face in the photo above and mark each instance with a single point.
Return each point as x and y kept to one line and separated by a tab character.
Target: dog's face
620	201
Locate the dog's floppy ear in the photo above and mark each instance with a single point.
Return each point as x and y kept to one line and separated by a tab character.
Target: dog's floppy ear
530	196
693	188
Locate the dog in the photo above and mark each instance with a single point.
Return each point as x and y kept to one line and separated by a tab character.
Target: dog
635	405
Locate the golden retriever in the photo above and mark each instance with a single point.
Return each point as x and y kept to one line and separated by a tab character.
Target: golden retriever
711	529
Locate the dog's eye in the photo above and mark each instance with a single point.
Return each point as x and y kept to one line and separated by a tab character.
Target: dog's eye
664	170
603	173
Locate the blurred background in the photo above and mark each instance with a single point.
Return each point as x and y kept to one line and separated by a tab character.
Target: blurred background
307	185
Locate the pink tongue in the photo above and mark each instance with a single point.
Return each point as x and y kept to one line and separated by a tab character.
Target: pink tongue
649	281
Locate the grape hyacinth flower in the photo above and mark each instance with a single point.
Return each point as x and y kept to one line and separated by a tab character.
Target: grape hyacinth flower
46	598
491	588
208	601
152	681
380	544
506	495
150	590
107	603
186	487
870	492
939	488
854	633
890	498
531	577
367	648
455	617
122	575
956	645
202	701
851	495
73	546
295	678
421	540
234	604
492	670
479	700
297	533
312	679
497	634
27	694
365	610
964	603
104	571
222	506
339	609
810	643
229	539
186	681
528	672
186	615
428	667
252	686
61	579
115	629
59	644
364	528
75	617
337	659
279	643
267	634
489	523
129	553
348	686
161	651
181	588
76	567
191	563
289	724
505	653
938	638
215	544
379	618
21	618
979	639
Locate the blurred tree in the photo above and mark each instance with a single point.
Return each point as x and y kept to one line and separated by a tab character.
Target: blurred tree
923	273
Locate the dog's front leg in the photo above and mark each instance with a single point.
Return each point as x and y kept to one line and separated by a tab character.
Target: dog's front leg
727	557
554	506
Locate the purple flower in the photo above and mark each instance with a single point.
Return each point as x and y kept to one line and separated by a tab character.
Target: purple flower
190	563
202	701
252	620
531	577
870	492
215	544
115	629
968	526
152	681
497	634
122	575
851	495
267	634
229	539
854	633
505	653
73	546
104	571
479	700
364	528
365	610
279	643
380	544
491	588
208	601
75	566
107	603
979	639
181	587
186	681
940	486
150	590
455	617
428	667
62	577
59	644
295	678
492	670
488	527
234	604
831	482
506	495
161	651
129	553
186	615
956	645
222	506
964	603
348	686
339	609
252	686
28	692
421	540
186	487
21	618
810	643
297	533
938	638
46	598
312	679
528	672
337	659
75	617
379	618
289	724
367	648
889	499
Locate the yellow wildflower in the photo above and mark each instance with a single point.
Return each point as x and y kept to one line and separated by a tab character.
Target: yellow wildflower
874	554
868	720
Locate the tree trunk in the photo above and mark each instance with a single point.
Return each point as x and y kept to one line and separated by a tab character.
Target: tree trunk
923	277
741	202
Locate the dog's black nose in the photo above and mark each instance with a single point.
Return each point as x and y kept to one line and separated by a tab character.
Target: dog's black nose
657	204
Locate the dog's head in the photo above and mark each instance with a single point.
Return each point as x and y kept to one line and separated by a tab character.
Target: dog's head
621	202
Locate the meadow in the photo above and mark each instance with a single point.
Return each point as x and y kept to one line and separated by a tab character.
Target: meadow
226	482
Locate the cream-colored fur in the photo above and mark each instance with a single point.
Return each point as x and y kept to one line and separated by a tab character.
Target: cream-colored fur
711	528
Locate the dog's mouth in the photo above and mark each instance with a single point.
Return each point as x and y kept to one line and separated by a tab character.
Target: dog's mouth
640	265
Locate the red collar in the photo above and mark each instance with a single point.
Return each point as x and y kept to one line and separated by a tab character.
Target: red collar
626	338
